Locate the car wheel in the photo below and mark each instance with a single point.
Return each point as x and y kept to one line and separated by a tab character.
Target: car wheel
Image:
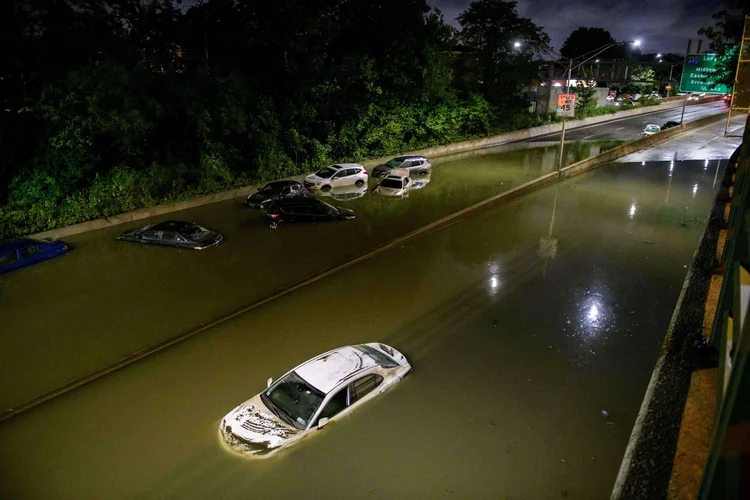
360	182
327	187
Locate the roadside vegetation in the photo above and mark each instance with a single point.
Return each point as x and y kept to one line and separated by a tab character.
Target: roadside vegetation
114	105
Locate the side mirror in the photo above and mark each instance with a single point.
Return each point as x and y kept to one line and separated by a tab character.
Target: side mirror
322	422
270	381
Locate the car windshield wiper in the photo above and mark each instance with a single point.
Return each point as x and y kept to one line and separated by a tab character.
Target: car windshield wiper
277	410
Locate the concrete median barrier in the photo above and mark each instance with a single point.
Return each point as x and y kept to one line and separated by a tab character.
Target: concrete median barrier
545	180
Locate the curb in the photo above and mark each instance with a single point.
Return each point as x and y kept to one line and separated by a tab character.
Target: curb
458	147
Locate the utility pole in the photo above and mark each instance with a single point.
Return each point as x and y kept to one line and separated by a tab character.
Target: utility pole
670	78
562	133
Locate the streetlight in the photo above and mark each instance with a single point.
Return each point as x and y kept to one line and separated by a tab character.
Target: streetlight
658	56
516	44
636	43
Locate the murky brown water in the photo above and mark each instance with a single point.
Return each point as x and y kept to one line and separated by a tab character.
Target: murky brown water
107	298
505	409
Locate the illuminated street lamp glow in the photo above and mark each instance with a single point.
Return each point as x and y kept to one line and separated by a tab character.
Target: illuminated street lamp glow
658	56
516	44
637	43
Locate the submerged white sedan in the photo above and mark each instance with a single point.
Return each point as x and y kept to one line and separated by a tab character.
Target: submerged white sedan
305	399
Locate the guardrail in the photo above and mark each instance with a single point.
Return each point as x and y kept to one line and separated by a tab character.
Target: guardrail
728	466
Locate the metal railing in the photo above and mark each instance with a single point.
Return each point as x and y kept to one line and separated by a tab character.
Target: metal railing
728	465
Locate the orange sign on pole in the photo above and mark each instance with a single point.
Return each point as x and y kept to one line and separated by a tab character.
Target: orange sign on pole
566	105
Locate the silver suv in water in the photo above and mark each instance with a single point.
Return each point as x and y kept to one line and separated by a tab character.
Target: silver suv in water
414	164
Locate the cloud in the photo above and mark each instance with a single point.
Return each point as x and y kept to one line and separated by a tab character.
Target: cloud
663	26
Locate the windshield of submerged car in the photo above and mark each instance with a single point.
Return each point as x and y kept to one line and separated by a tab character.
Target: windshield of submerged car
391	183
269	188
394	163
326	172
296	400
195	233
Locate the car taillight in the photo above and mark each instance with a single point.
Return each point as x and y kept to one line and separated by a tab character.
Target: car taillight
364	171
65	248
273	216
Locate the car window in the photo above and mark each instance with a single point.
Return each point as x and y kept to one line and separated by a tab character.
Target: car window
363	387
29	251
394	163
352	171
326	172
286	191
391	183
151	235
170	236
335	405
8	258
416	163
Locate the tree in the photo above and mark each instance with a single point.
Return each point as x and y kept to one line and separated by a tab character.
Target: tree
492	28
725	36
641	80
587	40
585	99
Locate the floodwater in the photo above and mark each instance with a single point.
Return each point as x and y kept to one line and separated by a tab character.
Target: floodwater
522	324
106	299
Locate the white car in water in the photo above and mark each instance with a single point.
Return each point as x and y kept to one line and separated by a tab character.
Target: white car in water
305	399
396	184
342	174
651	129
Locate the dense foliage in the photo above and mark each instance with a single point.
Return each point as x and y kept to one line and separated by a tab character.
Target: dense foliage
725	36
113	105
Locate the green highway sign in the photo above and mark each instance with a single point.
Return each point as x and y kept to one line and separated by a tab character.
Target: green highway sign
698	74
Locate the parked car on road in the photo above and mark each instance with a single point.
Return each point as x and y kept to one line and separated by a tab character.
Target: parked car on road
414	164
344	193
273	191
305	209
651	129
343	174
727	99
173	233
669	124
396	184
307	398
22	252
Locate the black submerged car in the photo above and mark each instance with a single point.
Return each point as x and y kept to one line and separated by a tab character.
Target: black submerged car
669	124
173	233
274	191
305	209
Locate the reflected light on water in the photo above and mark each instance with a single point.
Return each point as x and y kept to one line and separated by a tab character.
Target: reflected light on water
495	279
593	313
695	190
705	165
631	212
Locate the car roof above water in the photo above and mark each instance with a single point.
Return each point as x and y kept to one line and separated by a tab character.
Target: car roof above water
173	225
328	370
19	243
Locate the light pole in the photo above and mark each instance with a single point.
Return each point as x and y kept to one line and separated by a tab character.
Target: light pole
596	52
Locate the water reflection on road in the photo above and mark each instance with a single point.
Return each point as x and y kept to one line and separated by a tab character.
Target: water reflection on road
516	352
107	299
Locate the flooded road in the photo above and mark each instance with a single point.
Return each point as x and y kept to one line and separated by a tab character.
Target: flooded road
106	299
522	325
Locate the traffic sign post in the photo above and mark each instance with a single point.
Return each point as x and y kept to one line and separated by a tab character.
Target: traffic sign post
698	74
566	107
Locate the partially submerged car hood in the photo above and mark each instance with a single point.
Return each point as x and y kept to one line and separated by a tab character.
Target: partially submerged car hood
252	429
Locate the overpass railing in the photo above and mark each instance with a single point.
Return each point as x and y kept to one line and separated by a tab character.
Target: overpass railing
727	472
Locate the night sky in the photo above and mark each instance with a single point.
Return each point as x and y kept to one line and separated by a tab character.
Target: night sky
663	26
